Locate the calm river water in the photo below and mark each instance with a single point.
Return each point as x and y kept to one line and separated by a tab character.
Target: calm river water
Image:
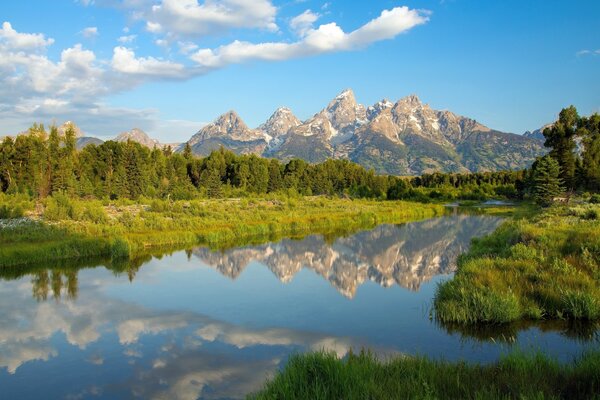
214	325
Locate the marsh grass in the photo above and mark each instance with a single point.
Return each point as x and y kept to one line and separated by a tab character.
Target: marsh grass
71	228
543	266
518	375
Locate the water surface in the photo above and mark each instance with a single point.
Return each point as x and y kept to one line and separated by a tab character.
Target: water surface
216	324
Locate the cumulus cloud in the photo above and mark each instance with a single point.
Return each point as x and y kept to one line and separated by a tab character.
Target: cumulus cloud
74	85
326	38
11	39
125	61
90	32
191	18
302	23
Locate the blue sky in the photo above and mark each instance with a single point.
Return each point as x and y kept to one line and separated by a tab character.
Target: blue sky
170	66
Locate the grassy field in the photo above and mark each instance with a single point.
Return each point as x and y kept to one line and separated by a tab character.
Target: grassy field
516	376
540	266
62	228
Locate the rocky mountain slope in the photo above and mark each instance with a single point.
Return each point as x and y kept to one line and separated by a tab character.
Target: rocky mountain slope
403	138
230	132
139	136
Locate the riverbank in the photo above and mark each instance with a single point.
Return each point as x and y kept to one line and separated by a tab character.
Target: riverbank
544	265
70	228
518	375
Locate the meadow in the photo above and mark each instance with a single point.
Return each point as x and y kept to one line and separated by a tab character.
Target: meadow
61	227
545	265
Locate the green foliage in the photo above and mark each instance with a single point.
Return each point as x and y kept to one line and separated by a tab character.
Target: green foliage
127	228
14	206
41	165
518	375
547	183
60	207
541	267
560	137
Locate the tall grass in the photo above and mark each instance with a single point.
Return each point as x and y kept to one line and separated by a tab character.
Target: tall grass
519	375
544	266
77	228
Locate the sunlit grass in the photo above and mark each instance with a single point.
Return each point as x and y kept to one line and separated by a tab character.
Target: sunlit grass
543	266
518	375
82	228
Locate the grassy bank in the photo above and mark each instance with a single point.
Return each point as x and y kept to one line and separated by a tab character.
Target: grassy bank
541	266
516	376
68	228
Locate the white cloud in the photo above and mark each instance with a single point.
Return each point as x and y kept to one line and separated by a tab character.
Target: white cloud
191	18
125	61
126	38
11	39
187	47
302	23
327	38
90	32
588	53
74	86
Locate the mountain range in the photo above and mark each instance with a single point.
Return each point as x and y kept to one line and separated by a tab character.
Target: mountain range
403	138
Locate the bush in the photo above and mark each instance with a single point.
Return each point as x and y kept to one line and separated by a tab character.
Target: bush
595	199
60	207
8	211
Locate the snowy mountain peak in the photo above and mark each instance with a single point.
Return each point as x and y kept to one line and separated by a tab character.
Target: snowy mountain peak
346	93
228	126
374	110
282	120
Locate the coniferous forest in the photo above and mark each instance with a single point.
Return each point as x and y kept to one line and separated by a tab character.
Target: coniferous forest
43	162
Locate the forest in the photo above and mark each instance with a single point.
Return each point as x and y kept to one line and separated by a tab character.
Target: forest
42	163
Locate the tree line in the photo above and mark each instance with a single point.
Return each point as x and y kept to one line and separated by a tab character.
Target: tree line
40	163
573	163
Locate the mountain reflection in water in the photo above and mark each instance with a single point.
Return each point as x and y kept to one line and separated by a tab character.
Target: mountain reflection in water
169	326
405	255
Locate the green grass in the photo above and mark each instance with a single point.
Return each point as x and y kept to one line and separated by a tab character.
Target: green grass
518	375
72	228
538	266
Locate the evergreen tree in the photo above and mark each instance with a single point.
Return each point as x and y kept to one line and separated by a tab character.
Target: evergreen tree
590	132
561	139
275	179
547	183
187	152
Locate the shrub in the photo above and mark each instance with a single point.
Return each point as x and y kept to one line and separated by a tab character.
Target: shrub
595	199
60	207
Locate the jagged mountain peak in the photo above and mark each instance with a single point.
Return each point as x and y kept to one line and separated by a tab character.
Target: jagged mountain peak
230	131
411	101
137	135
376	109
230	120
406	137
279	123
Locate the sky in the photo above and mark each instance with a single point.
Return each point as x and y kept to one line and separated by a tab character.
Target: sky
171	66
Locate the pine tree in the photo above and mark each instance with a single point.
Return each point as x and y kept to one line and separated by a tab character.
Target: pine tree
590	132
187	152
561	138
546	180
